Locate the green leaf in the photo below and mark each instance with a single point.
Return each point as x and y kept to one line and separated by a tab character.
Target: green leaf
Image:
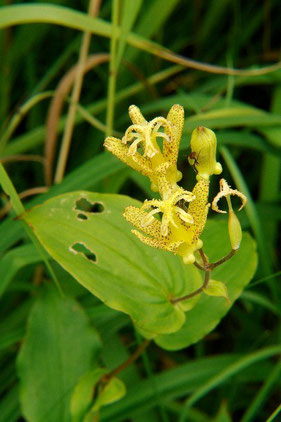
14	260
129	14
232	117
112	392
98	249
82	396
59	347
216	288
223	414
85	176
156	12
179	382
236	273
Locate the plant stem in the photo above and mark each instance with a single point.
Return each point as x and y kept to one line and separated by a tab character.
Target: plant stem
66	141
213	265
29	192
112	68
196	292
127	362
204	257
18	207
210	266
18	116
197	265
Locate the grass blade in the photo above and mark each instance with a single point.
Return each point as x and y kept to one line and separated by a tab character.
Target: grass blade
233	369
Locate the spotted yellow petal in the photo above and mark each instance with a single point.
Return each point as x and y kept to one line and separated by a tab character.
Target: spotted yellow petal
135	216
160	243
136	161
136	115
176	119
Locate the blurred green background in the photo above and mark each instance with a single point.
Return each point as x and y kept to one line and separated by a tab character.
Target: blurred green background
236	368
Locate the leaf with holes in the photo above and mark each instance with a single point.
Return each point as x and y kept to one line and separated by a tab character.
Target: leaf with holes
99	250
87	234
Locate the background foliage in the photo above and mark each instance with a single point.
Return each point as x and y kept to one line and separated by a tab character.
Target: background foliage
233	373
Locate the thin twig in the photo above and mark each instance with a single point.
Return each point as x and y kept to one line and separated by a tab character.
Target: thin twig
93	120
213	265
204	257
196	292
22	195
20	114
56	106
170	56
22	157
127	362
197	265
66	141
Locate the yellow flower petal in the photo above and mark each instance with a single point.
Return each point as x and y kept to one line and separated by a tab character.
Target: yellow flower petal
160	243
136	161
136	115
176	119
199	208
135	216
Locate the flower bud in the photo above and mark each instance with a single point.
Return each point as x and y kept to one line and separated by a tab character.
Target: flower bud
204	144
234	230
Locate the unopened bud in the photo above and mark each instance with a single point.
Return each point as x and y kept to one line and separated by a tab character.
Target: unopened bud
203	146
234	230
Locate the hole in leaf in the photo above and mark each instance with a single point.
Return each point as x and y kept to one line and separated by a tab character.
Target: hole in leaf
82	217
82	249
83	204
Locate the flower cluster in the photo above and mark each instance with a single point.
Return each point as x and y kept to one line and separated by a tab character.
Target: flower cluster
175	222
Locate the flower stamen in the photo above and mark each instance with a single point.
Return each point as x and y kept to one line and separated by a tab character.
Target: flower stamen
226	191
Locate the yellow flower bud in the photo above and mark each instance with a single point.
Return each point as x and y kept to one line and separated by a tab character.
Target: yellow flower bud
203	145
234	230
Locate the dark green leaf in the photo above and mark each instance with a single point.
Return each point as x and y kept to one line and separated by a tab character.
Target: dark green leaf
60	346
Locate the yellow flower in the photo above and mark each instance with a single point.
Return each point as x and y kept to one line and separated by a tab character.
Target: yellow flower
140	149
175	222
154	238
170	209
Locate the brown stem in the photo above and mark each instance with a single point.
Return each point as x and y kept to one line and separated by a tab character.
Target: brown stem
204	257
196	292
213	265
56	106
22	195
200	267
19	157
96	417
127	362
